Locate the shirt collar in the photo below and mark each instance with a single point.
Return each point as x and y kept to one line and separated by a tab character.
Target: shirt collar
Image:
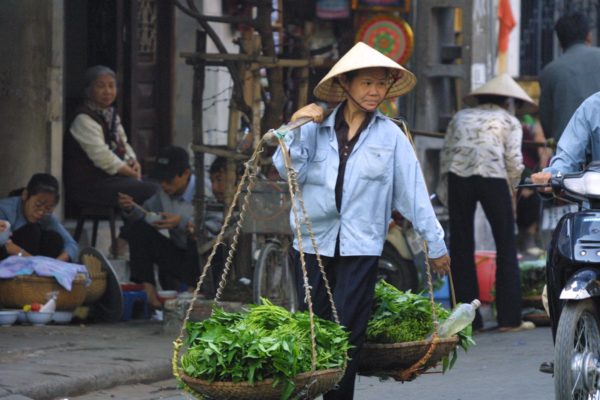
329	121
190	190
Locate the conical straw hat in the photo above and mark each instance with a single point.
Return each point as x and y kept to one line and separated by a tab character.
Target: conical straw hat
502	85
358	57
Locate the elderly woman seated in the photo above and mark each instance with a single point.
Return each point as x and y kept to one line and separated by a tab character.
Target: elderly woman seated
98	161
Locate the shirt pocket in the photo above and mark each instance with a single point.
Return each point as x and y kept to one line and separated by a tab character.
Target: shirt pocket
316	173
376	163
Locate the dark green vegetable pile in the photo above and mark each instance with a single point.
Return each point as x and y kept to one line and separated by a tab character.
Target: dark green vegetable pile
268	341
406	317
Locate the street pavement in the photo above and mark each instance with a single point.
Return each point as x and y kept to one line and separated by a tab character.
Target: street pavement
131	361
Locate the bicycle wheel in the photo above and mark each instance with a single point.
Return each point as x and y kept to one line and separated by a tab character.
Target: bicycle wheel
273	277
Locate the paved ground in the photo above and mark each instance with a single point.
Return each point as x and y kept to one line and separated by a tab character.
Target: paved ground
93	362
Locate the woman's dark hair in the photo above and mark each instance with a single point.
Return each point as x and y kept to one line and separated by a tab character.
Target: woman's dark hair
43	183
572	28
351	74
490	98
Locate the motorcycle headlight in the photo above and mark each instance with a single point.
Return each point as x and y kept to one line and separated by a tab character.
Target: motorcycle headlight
587	184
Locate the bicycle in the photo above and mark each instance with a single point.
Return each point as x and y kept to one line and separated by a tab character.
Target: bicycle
267	220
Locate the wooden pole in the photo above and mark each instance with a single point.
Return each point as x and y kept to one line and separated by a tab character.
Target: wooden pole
198	140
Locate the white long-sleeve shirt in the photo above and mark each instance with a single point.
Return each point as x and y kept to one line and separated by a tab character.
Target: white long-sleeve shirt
90	137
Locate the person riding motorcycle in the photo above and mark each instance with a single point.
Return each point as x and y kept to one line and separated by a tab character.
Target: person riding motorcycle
578	145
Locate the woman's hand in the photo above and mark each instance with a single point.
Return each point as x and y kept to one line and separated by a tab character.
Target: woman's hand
440	265
15	250
312	111
4	225
64	256
137	168
126	170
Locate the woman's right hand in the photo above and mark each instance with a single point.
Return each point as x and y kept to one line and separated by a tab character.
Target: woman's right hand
126	170
4	225
15	250
312	111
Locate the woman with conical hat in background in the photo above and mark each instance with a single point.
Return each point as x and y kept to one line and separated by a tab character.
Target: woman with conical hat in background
354	166
481	161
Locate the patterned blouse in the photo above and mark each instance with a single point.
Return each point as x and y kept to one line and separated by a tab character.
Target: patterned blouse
485	141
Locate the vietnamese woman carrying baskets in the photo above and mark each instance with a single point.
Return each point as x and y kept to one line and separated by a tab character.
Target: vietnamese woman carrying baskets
353	167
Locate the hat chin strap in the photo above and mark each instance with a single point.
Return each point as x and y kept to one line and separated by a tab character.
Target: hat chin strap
357	103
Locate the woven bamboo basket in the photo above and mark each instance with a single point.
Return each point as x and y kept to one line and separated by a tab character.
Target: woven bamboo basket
97	288
378	359
26	289
308	385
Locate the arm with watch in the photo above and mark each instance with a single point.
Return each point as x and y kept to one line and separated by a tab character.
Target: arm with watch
13	249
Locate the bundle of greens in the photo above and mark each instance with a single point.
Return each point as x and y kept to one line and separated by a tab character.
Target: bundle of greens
406	317
268	341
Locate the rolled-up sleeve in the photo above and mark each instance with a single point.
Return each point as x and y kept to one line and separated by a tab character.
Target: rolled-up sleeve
298	151
90	137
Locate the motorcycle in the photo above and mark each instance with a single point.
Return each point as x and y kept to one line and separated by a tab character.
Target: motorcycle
573	283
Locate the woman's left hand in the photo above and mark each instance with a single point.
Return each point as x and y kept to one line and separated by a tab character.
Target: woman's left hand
64	256
137	168
441	265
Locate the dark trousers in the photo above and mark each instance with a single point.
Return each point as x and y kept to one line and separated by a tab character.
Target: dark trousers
176	266
352	280
104	192
528	210
36	241
495	198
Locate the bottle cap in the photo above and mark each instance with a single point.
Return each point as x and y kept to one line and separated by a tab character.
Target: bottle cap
476	303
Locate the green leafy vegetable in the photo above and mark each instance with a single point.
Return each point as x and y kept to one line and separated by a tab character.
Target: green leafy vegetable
266	342
406	317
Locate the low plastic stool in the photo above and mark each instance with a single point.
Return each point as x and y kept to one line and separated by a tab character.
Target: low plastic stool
130	300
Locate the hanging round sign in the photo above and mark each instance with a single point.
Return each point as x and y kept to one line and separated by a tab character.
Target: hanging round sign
390	35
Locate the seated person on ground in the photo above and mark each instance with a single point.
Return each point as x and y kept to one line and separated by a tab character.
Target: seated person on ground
175	255
35	231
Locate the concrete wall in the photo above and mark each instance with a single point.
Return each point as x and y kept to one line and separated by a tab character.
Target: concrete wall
31	90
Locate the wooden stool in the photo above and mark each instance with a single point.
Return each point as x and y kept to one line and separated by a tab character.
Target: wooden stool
96	213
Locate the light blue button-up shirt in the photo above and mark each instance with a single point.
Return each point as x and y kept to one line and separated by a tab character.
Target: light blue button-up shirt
580	138
11	210
181	205
382	173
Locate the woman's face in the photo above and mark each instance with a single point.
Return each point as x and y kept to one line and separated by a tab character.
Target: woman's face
103	91
369	87
38	206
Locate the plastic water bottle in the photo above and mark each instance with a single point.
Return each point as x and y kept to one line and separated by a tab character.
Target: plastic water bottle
462	316
50	305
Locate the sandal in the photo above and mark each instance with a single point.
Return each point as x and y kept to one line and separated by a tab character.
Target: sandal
525	326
